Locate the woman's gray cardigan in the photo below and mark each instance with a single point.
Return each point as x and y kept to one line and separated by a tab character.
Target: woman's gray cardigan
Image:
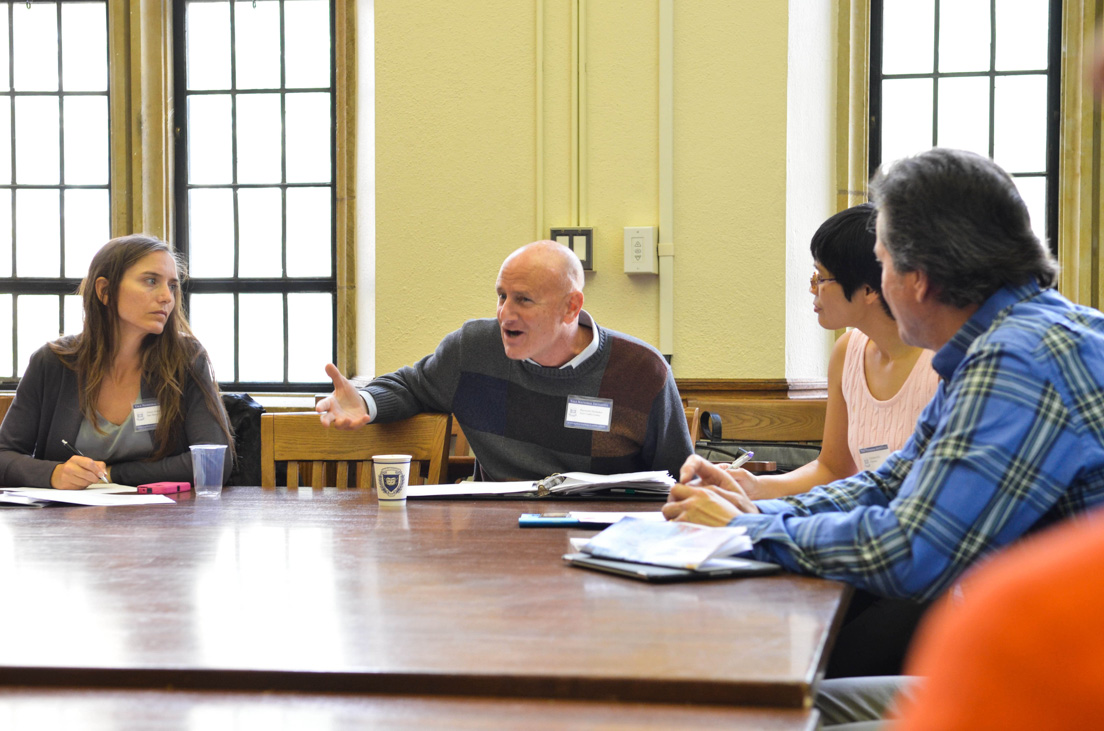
46	410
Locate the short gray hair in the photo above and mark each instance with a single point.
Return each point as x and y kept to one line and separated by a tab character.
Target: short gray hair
958	217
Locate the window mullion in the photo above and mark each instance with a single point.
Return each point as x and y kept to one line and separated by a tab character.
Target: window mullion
935	77
269	104
61	151
992	77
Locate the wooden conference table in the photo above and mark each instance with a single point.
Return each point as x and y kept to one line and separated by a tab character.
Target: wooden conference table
446	606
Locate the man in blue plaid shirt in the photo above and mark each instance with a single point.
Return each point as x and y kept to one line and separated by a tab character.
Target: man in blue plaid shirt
1012	441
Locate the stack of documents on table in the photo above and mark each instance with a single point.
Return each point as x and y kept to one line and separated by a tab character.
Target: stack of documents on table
583	483
677	545
660	552
568	484
100	495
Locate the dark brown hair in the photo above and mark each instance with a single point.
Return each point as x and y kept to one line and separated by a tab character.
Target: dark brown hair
168	360
958	217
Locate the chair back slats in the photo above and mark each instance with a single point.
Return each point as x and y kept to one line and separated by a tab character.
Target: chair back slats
693	423
318	473
295	438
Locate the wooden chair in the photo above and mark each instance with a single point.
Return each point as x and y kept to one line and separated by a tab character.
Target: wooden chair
5	402
300	437
461	462
769	420
693	421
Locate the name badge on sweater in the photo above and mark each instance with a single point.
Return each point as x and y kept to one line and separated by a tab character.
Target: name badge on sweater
146	415
584	412
872	457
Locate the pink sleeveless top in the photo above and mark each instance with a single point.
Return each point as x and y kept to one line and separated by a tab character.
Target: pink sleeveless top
874	425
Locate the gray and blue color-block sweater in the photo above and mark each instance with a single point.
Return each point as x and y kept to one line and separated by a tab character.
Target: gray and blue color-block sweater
513	411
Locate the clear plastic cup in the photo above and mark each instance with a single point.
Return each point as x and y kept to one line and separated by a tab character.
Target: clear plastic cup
207	461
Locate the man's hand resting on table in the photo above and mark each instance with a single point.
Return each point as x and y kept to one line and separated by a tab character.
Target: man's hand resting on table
344	408
706	494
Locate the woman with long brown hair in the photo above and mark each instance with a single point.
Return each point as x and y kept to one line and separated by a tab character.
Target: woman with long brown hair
123	400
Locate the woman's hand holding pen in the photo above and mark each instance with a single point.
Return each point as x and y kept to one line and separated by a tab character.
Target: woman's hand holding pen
77	473
706	494
748	481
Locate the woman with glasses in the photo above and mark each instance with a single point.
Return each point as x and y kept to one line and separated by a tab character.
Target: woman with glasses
877	384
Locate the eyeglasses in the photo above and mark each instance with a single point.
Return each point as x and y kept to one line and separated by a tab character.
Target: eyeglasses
816	280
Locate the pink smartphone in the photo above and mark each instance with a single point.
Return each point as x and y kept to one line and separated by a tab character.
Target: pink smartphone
165	487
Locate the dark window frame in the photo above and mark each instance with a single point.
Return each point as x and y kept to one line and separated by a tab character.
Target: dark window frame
61	286
242	285
1054	93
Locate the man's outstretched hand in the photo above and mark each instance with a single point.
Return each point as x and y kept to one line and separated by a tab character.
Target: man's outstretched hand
344	408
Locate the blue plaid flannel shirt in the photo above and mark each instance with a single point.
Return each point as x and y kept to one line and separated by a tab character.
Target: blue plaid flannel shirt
1012	441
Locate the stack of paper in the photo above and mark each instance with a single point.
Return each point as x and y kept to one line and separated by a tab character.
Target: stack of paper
677	545
103	495
584	483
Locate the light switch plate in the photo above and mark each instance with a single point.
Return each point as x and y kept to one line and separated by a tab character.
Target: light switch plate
580	240
640	250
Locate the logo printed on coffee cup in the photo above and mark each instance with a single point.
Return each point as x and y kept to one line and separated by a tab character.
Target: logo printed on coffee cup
391	480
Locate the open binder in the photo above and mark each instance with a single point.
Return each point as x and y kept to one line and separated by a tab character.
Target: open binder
652	485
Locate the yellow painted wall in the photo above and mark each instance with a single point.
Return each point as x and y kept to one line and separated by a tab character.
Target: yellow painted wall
730	189
457	164
454	163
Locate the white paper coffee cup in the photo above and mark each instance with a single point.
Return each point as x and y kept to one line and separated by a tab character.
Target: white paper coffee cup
391	473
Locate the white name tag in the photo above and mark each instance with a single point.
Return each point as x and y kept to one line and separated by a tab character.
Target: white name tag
146	415
584	412
872	457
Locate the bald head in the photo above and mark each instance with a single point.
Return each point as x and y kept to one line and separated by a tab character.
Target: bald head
551	261
540	296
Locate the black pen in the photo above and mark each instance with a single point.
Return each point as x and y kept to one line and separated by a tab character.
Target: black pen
74	450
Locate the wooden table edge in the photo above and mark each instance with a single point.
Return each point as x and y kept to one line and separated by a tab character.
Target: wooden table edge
664	690
830	640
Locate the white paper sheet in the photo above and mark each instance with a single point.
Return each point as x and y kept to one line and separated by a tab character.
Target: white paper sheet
611	518
470	488
105	496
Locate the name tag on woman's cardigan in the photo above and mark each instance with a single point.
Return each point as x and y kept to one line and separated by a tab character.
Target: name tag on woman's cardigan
146	415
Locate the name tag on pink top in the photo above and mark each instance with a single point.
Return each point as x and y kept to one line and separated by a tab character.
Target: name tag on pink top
872	457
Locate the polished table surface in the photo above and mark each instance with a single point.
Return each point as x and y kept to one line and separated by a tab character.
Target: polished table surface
325	590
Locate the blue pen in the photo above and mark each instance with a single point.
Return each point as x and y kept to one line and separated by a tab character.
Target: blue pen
74	450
